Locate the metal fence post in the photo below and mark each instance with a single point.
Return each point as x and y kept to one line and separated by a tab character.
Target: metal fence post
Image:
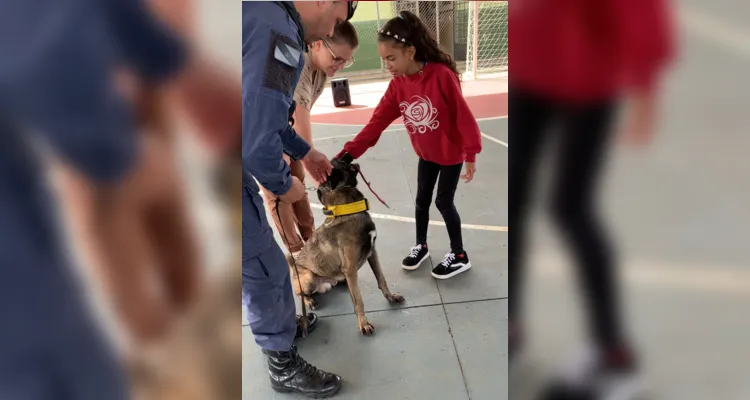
475	45
437	21
377	14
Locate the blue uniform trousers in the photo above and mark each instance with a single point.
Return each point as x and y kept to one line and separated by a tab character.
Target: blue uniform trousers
268	298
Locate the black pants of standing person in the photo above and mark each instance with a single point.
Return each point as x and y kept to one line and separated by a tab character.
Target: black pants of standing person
446	177
583	132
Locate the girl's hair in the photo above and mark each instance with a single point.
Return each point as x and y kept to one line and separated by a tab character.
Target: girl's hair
407	30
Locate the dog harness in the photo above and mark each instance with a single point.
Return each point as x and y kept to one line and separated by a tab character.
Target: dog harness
346	209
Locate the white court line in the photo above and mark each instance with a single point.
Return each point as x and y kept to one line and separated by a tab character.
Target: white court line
720	32
493	228
354	134
492	118
699	278
498	141
362	125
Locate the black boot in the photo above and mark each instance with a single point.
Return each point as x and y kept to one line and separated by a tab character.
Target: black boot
292	374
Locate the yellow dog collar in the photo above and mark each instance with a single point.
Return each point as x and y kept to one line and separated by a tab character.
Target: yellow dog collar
347	209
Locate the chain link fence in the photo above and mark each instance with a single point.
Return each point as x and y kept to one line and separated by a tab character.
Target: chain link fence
474	33
487	46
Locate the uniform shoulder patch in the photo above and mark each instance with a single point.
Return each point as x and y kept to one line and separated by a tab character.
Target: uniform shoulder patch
282	61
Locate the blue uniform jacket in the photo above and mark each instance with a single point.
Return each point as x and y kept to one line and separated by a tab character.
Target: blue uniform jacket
272	60
58	57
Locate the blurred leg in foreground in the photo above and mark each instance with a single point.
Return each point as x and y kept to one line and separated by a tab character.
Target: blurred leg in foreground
584	133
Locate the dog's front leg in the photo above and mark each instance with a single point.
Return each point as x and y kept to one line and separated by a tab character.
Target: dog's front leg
365	327
374	262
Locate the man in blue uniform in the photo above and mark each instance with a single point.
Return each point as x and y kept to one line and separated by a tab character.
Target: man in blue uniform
56	82
274	37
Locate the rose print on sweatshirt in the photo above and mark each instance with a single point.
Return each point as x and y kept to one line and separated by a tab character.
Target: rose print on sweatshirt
419	115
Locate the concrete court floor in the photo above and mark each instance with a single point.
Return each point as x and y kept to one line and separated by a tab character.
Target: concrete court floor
449	339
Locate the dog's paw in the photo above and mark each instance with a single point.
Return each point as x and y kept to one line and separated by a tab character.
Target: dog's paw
395	298
366	328
311	303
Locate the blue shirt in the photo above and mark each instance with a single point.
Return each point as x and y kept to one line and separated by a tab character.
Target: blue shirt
58	59
272	60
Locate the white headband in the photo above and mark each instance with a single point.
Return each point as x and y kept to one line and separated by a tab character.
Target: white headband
388	33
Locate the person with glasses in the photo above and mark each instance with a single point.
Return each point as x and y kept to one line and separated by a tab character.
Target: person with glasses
275	37
324	58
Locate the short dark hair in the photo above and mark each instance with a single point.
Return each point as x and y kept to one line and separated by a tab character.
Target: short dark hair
345	34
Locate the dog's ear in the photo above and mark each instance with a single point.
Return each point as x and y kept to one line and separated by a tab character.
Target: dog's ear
351	175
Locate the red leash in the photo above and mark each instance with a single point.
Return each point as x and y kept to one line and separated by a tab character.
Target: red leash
370	187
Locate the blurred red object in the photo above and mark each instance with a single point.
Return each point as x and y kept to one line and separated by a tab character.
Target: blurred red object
589	50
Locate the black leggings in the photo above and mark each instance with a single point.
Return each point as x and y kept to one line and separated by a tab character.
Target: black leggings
427	176
583	133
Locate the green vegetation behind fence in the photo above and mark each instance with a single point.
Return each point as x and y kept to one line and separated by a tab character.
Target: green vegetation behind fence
493	33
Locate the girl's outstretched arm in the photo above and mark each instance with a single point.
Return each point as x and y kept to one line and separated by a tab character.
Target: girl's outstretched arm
385	113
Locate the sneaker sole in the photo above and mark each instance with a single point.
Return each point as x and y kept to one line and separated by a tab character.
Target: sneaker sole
464	268
412	268
310	395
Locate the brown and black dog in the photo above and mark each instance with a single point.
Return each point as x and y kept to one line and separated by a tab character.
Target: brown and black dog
340	247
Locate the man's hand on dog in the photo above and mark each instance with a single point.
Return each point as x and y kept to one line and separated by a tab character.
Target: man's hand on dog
471	168
317	165
295	193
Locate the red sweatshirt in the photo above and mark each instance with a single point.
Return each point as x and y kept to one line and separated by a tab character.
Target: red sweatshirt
588	49
440	124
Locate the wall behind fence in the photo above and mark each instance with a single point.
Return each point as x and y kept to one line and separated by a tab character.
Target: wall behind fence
474	33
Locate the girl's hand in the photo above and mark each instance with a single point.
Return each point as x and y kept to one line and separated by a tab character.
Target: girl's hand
470	170
641	120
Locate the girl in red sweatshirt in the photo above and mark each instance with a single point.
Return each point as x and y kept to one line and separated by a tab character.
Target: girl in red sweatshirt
573	63
425	91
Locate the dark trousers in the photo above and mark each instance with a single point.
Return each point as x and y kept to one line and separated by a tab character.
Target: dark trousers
583	132
268	299
446	177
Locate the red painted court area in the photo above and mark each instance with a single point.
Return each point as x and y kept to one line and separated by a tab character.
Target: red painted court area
483	106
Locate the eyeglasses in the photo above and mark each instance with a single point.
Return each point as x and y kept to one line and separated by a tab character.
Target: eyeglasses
338	60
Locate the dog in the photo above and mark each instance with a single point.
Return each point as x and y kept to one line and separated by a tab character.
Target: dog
340	246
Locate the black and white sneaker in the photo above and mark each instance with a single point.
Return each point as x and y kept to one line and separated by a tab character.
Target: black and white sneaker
417	254
454	264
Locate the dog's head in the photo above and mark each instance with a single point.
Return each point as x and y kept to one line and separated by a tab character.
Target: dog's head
343	175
